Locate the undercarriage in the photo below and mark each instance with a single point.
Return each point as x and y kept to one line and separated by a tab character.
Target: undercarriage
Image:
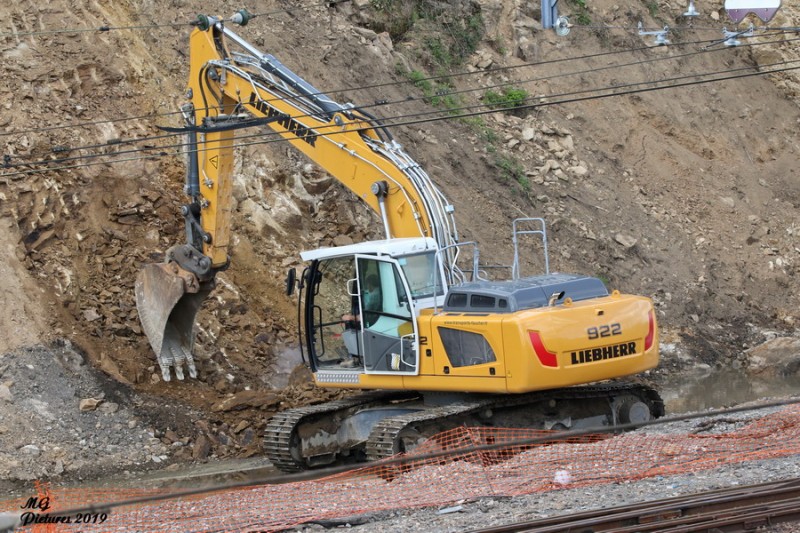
379	424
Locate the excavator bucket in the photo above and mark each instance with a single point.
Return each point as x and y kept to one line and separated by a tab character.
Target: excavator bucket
168	298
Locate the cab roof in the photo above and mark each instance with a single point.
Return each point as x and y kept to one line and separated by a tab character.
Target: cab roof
390	247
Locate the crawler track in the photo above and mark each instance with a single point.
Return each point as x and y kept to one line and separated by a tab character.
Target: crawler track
737	509
383	441
280	435
306	437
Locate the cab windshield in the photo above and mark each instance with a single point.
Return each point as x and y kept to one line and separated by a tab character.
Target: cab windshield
420	272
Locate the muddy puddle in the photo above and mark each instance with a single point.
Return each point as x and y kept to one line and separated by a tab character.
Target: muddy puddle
723	388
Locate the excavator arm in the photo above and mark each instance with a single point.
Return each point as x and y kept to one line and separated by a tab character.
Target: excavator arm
352	146
234	86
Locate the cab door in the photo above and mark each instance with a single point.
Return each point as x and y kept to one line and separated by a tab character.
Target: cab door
389	334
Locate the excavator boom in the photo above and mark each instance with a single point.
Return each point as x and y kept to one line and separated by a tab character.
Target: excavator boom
246	88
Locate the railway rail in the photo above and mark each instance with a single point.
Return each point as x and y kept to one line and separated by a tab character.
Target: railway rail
747	508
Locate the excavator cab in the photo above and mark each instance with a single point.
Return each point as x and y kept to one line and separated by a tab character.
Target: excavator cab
361	304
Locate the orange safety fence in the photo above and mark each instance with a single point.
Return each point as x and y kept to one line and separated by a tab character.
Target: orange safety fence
460	475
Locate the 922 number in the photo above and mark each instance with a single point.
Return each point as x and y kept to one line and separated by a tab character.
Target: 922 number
604	331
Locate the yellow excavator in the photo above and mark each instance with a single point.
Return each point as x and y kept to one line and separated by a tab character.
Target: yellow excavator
415	319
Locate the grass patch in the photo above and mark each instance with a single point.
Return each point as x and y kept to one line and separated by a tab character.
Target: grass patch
652	7
437	92
581	14
583	18
457	33
509	98
512	170
439	52
457	41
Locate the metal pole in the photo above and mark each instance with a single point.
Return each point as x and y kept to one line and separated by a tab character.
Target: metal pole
549	13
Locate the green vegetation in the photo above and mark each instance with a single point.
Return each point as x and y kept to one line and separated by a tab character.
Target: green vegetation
439	52
396	17
485	132
583	18
470	34
652	7
458	41
499	44
437	92
489	134
512	170
510	97
582	14
419	79
440	38
509	167
456	34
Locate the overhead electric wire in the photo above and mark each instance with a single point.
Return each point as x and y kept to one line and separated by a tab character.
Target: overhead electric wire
88	123
513	67
150	138
544	101
685	27
360	106
541	102
372	86
60	160
403	82
547	100
444	93
404	459
392	83
97	29
575	73
107	28
635	28
362	87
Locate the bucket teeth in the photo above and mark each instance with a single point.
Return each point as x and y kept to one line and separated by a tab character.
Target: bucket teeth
175	356
168	299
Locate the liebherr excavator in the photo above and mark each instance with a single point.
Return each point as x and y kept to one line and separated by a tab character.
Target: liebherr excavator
435	343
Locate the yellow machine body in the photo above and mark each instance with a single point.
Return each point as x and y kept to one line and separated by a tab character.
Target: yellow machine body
536	349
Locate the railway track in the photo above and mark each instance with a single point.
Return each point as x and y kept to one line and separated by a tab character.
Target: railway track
748	508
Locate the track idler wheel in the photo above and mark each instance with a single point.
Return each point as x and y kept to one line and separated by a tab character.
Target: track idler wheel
633	410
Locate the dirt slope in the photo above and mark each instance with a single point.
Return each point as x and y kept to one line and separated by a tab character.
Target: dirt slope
686	195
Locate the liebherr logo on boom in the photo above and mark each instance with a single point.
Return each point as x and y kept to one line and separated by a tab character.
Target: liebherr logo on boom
302	132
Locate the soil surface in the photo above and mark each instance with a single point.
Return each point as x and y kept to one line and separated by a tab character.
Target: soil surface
687	195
